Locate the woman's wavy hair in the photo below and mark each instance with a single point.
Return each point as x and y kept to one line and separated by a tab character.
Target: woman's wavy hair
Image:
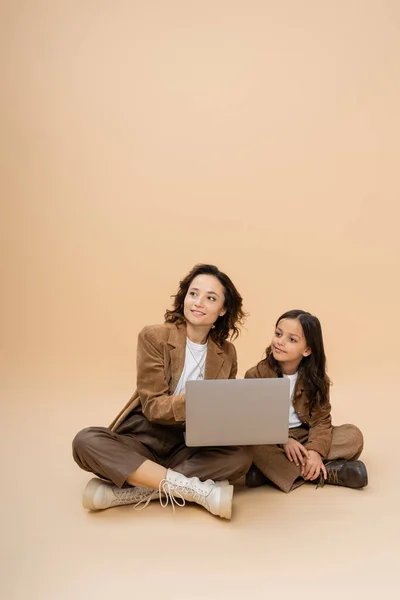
312	369
227	326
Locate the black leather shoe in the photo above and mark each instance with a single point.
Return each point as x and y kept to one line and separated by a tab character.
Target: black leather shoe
254	477
349	473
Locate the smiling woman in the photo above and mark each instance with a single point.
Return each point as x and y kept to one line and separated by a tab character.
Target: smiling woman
143	455
208	298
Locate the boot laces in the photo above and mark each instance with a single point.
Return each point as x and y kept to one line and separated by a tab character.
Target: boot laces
166	493
129	495
174	494
172	491
333	477
171	494
146	499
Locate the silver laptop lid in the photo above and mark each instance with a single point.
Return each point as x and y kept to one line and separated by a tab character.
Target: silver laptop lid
237	412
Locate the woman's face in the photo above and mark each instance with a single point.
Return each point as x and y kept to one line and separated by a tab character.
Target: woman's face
204	301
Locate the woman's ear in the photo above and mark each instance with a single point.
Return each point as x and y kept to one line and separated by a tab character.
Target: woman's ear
223	312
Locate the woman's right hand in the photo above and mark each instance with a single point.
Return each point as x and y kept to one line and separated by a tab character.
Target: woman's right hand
296	452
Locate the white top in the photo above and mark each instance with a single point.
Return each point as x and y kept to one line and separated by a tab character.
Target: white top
195	364
294	420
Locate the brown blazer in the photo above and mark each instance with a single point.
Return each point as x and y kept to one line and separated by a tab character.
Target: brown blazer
317	419
161	353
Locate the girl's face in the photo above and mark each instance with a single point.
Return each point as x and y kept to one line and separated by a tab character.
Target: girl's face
288	343
204	301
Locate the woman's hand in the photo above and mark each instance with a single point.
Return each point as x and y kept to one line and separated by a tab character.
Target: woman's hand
314	466
296	453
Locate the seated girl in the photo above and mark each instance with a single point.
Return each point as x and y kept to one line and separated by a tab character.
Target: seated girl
316	451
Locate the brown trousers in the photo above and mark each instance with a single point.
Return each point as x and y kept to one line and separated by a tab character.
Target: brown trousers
114	455
347	443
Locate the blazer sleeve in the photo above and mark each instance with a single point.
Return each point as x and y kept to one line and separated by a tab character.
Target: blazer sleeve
320	433
158	405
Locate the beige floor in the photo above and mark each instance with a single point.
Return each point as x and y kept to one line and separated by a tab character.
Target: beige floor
333	542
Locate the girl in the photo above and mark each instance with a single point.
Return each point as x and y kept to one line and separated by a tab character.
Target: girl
143	455
297	352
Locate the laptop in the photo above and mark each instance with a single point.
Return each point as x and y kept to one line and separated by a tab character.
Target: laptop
237	412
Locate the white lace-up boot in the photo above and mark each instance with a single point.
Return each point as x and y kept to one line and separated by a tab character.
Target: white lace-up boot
99	495
215	498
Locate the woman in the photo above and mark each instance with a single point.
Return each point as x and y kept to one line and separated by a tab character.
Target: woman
143	453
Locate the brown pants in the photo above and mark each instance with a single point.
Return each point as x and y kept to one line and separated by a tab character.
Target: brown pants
347	443
114	455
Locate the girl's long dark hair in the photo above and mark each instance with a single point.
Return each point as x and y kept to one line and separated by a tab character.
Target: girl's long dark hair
312	369
226	326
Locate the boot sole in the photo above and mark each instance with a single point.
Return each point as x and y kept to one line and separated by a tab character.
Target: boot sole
364	469
362	480
88	494
226	497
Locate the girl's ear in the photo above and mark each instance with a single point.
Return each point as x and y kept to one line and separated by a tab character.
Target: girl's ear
307	351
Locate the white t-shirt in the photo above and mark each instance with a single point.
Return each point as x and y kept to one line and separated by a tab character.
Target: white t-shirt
195	364
294	420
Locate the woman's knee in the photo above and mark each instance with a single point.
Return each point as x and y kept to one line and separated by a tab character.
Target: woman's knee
83	440
240	460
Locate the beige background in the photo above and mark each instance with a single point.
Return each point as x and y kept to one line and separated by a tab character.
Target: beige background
137	139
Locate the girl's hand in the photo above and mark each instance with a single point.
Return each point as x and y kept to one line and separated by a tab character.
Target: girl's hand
296	453
314	466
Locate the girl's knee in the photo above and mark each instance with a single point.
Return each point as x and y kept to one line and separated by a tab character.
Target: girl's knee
354	434
350	439
358	439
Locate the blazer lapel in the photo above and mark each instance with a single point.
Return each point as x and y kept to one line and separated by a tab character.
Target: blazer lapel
215	360
177	344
